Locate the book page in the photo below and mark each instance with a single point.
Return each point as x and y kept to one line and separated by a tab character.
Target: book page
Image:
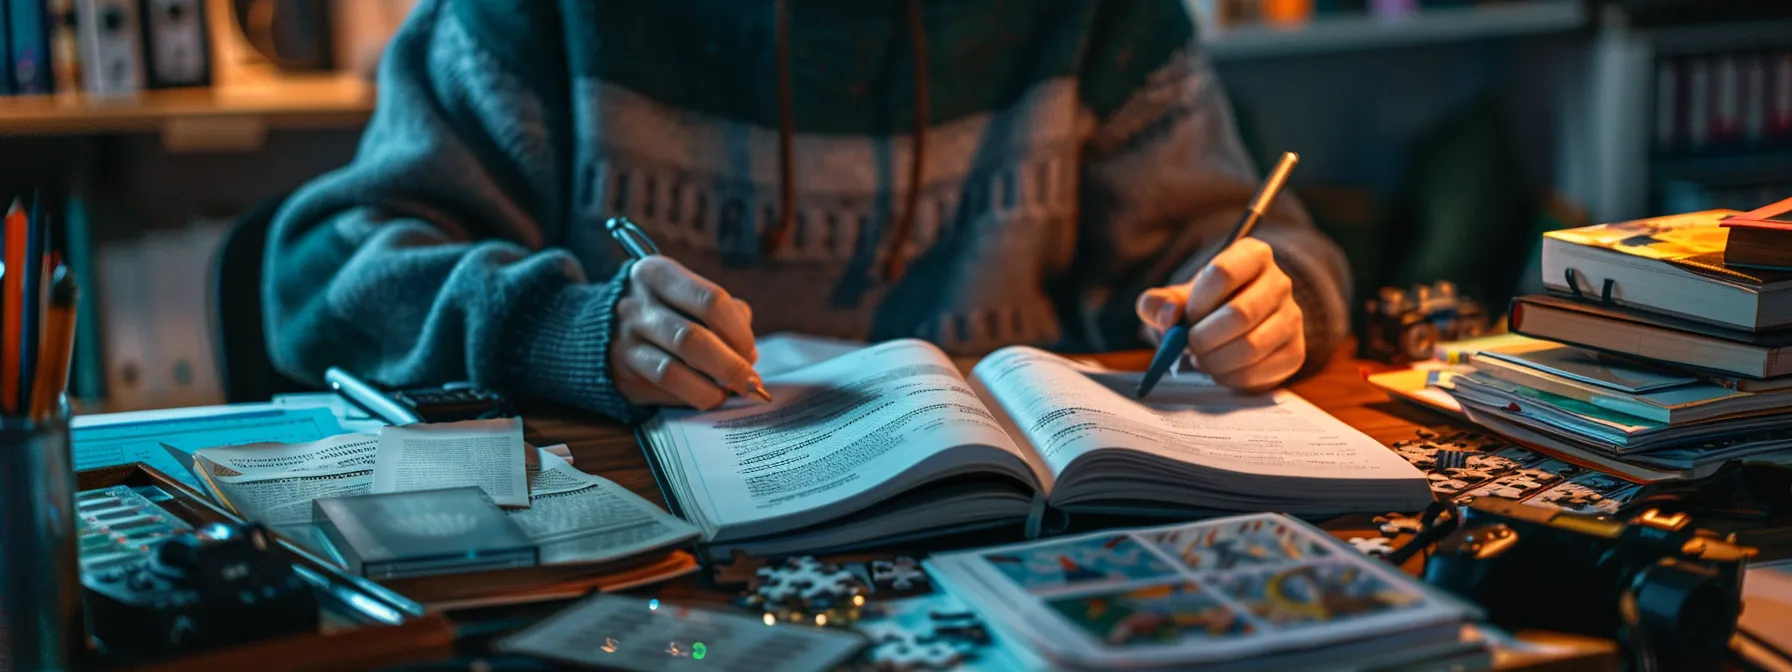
576	517
489	454
274	483
1068	410
878	419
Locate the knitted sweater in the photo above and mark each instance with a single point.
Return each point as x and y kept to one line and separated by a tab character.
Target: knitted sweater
1072	153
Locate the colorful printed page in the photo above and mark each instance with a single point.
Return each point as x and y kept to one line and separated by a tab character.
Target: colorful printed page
1183	594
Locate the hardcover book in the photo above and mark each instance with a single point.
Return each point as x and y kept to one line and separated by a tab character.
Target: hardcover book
1672	265
411	534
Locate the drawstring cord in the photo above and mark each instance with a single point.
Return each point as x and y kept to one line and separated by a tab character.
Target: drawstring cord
896	259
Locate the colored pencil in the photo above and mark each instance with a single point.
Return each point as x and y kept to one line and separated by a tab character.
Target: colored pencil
59	345
12	320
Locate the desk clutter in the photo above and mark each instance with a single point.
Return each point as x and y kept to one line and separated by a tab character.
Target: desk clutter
430	520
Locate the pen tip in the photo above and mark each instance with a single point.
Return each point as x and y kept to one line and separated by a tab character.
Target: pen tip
758	390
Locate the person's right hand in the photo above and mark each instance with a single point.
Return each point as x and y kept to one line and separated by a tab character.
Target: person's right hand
680	340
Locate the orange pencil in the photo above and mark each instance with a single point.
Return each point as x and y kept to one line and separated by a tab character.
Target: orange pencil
12	294
58	344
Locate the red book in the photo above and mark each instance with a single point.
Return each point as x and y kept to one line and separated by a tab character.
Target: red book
1760	238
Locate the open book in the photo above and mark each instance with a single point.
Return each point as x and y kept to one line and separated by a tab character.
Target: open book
891	442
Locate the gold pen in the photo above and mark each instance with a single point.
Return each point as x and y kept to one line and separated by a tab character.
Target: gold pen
639	246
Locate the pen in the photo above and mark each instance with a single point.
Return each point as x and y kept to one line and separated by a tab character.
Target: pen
58	344
639	246
1176	337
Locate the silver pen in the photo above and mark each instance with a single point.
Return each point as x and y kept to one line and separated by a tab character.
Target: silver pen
639	247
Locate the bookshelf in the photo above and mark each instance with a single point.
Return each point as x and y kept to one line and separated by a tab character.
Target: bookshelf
220	114
1431	26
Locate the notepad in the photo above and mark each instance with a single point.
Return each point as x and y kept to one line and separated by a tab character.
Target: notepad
122	438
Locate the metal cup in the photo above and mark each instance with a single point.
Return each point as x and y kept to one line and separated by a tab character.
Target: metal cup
40	580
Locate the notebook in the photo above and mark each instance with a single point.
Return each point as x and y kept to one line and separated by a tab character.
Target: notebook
890	442
1671	265
1621	385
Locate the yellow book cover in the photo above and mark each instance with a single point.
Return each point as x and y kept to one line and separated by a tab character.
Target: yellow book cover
1693	241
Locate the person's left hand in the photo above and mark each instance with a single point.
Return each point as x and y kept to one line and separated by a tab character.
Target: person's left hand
1247	330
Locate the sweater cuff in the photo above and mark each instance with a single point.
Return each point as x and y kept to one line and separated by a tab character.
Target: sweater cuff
563	350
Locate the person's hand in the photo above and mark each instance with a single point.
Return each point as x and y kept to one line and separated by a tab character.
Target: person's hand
680	340
1247	330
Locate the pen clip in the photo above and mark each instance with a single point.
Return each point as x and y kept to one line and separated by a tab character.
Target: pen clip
631	237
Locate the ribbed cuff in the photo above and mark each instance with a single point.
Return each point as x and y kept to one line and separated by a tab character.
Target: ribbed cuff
563	350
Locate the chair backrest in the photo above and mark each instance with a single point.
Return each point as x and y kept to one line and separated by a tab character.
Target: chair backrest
243	362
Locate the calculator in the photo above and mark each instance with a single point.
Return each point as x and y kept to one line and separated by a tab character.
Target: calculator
118	525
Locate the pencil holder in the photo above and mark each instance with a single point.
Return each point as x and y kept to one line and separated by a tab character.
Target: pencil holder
40	578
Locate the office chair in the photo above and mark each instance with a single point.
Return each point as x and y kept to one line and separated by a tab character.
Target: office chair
242	350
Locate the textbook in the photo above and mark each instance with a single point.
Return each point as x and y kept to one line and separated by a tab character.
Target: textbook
1591	325
1672	265
891	442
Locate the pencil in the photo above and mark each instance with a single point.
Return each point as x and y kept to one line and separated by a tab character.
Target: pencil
12	322
58	345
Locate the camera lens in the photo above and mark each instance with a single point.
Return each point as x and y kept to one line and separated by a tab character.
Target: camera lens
1686	606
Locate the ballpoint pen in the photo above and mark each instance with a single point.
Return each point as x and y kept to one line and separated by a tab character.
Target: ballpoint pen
639	247
1176	337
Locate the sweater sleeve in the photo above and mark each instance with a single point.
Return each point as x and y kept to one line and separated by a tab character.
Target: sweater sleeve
1165	177
424	260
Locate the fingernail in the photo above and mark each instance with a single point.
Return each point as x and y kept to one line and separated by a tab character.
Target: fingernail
1166	315
757	388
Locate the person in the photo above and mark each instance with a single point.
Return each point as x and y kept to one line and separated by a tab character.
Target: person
976	173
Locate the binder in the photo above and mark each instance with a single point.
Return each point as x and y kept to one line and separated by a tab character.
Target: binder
111	53
28	48
174	39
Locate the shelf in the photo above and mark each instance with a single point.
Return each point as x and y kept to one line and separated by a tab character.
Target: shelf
1356	33
1753	166
193	115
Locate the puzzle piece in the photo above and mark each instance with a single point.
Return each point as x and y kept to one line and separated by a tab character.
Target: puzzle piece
900	575
1378	547
740	569
1394	524
806	590
906	653
806	579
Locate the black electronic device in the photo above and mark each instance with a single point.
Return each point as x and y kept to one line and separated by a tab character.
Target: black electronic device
429	403
1402	326
216	585
1669	592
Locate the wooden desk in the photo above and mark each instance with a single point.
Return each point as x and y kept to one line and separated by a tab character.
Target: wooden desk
610	450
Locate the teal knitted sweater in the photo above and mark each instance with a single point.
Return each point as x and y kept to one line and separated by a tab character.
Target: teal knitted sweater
1072	153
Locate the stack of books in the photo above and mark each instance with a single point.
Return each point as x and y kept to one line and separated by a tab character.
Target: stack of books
1657	358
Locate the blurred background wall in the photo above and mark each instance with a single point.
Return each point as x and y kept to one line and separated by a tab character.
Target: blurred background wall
1438	137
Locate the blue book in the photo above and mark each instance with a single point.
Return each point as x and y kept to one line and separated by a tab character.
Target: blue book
6	88
29	48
